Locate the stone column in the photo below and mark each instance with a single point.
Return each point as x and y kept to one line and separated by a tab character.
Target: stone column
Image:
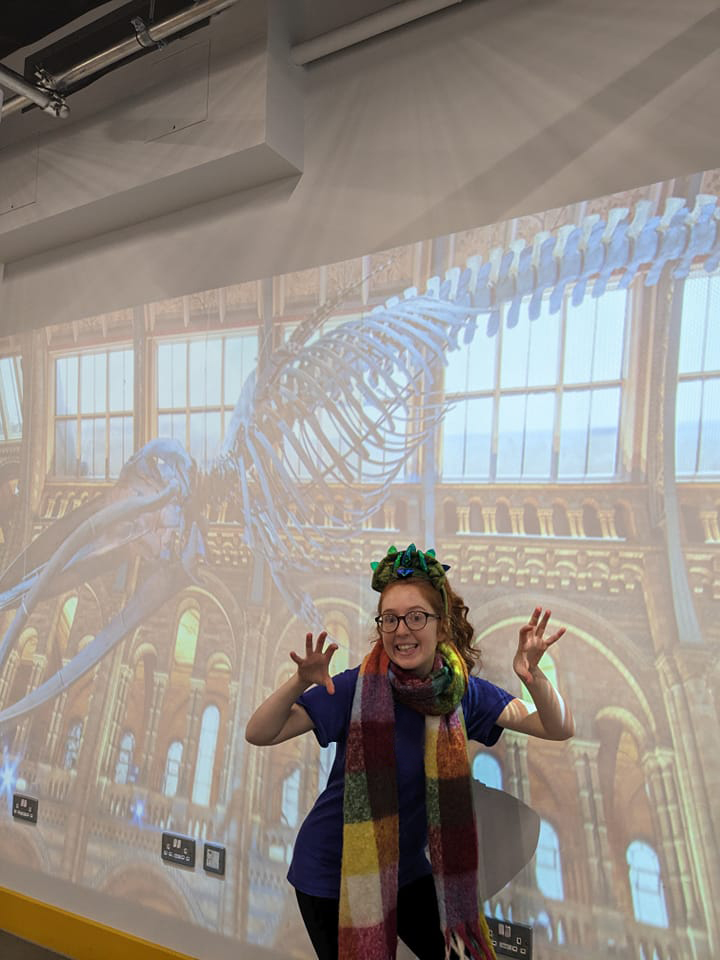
545	519
489	519
389	515
517	520
607	524
230	741
682	897
463	519
8	675
517	780
160	682
22	731
688	700
119	706
709	520
192	734
575	519
51	744
597	849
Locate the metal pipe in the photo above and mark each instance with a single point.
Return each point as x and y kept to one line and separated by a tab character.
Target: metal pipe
125	48
47	100
372	26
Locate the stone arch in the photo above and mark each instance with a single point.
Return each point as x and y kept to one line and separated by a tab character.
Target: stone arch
587	629
218	662
143	648
476	518
627	721
561	524
293	634
142	882
531	521
591	519
625	525
23	850
450	516
503	523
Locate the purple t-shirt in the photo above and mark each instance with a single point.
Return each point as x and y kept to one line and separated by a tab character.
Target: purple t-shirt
315	867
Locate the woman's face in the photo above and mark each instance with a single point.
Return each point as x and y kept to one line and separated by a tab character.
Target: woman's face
413	650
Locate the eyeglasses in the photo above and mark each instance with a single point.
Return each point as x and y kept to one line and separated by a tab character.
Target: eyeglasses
414	620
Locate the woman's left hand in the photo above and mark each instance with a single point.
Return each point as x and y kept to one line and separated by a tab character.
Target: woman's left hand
532	644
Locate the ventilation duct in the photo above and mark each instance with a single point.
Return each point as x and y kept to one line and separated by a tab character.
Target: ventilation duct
378	23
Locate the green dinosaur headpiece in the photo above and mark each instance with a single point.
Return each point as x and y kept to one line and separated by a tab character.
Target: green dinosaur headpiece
399	565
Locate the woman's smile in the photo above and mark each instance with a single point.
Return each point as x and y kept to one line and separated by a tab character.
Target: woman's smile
413	650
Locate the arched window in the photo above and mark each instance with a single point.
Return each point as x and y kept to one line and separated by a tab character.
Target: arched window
65	622
503	523
124	770
187	637
561	526
487	770
531	522
206	756
548	867
290	802
72	745
172	769
450	517
477	521
591	521
543	921
646	884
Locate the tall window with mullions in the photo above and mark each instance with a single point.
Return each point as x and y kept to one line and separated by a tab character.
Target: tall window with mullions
540	400
697	419
11	398
93	413
198	384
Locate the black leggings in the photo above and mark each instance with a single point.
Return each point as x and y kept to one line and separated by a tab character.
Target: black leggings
418	921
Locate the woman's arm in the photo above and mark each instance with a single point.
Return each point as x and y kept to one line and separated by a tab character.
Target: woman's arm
280	718
551	719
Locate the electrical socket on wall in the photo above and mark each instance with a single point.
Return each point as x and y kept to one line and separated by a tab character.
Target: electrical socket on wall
510	939
178	849
24	808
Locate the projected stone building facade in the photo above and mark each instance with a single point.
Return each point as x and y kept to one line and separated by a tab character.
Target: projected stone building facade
546	480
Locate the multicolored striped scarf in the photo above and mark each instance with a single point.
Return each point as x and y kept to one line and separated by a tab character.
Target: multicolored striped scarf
368	885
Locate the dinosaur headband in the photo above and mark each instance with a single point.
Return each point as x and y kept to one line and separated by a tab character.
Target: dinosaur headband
399	565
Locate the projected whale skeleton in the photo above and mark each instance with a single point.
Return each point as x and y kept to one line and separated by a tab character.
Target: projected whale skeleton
365	392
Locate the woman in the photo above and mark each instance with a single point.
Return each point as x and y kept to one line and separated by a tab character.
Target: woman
401	782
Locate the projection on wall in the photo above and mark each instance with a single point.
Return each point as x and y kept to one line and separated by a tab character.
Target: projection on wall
198	481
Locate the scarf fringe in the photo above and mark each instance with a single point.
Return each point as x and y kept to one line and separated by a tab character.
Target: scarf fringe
470	942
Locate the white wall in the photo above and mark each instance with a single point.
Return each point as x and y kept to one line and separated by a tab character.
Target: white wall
485	111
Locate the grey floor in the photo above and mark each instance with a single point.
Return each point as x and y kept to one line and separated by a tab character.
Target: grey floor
12	948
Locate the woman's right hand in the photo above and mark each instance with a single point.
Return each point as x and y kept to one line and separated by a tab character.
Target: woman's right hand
314	666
